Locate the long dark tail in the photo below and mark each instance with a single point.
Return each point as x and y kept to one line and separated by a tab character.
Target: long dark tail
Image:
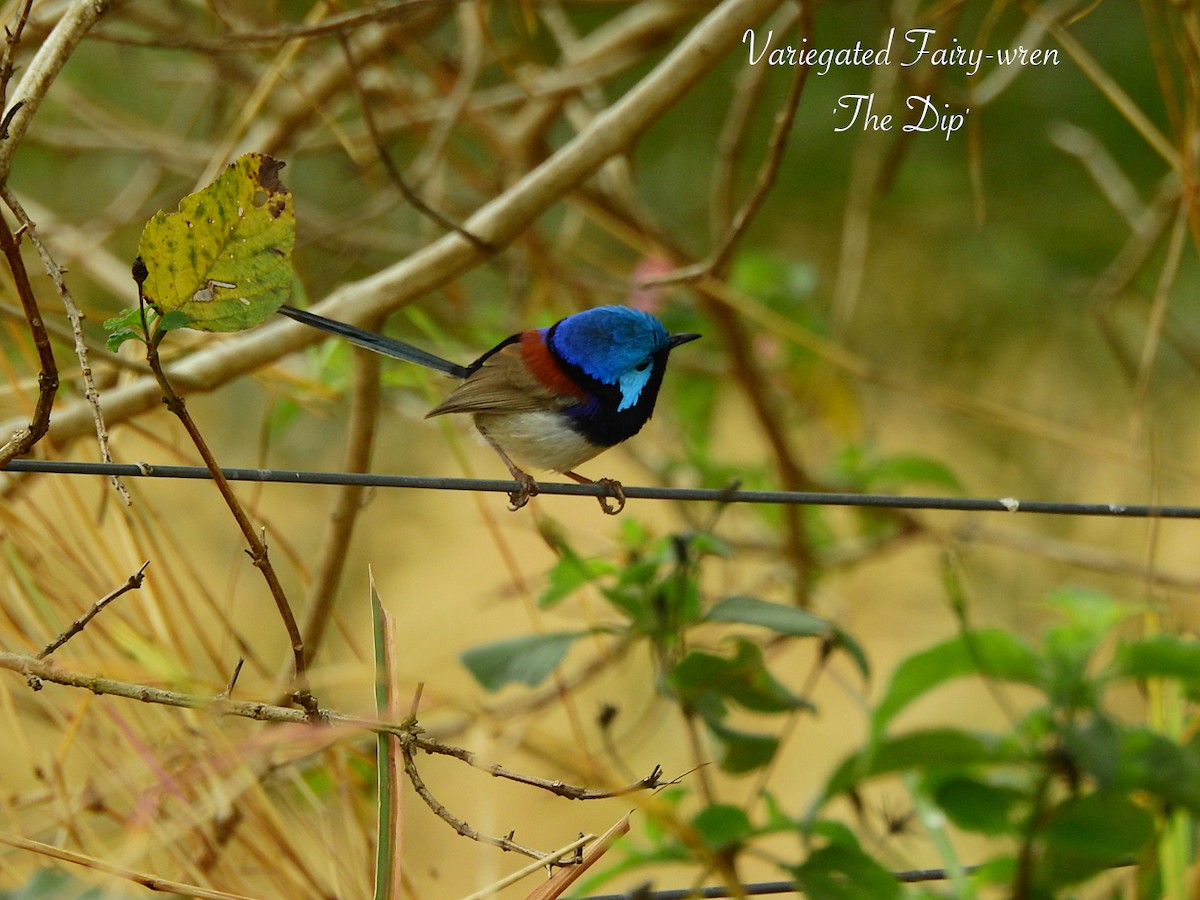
376	342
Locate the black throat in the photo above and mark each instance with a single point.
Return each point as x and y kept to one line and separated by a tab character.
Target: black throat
597	417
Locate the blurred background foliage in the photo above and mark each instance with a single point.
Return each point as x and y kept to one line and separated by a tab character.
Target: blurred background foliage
1007	312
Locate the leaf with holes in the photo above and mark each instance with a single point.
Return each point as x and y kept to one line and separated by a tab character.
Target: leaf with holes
224	259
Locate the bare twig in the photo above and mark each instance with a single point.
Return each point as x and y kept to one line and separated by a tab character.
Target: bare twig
23	440
650	782
258	546
411	735
572	849
505	843
55	271
385	159
233	677
12	38
134	583
568	875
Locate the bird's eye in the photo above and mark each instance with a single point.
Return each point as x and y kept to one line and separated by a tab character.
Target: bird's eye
643	367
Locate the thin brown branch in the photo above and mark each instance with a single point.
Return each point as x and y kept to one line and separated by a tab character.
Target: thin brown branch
568	875
12	39
385	159
42	671
258	546
1158	313
748	90
505	843
653	781
134	583
55	271
39	423
233	678
765	179
577	861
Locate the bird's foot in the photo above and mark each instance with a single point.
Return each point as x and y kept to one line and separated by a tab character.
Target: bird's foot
528	487
616	491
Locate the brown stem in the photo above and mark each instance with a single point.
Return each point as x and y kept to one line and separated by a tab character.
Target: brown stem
505	843
39	423
258	546
133	583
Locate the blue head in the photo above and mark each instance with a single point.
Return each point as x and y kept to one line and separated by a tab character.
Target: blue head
619	354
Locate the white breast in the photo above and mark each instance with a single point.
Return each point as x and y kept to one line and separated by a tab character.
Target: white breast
540	440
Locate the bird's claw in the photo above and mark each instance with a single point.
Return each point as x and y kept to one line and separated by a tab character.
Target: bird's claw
527	488
616	492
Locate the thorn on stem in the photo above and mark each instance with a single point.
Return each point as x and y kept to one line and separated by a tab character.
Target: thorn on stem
8	117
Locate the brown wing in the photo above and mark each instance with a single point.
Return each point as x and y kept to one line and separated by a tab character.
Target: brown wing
502	384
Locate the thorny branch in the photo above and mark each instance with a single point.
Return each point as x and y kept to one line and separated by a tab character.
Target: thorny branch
38	671
39	423
132	584
258	551
56	272
32	88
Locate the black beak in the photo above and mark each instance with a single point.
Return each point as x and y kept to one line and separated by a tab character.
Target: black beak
677	339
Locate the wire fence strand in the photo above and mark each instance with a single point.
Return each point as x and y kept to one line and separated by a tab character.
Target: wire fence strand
711	495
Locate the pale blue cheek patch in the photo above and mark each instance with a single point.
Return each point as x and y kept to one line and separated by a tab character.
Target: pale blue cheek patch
632	383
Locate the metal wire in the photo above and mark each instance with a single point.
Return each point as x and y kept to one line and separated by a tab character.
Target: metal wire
722	495
762	888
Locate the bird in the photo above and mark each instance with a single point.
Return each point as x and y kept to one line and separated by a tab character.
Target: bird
548	398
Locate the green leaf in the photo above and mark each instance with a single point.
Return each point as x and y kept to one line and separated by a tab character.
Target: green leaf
722	826
777	819
991	653
528	659
119	336
1089	616
173	320
926	750
744	679
123	327
976	805
838	872
570	573
1087	834
789	620
860	468
224	258
1161	656
833	832
740	752
1138	759
904	470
